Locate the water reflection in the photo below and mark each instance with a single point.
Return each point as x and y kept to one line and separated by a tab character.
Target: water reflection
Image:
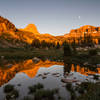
9	70
49	73
67	68
81	69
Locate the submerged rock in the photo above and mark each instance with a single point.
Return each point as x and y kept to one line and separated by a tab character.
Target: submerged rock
43	76
46	73
55	74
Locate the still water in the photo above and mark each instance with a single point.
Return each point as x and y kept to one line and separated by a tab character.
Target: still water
26	73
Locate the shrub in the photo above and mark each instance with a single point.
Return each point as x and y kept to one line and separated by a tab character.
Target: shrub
34	88
96	77
8	88
93	52
69	87
44	95
27	98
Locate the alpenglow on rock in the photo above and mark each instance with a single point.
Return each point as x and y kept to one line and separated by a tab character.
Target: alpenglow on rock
6	25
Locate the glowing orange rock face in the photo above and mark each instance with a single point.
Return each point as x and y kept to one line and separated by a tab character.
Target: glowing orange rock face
6	25
31	28
28	34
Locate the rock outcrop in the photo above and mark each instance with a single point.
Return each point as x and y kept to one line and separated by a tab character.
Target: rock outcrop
87	29
31	28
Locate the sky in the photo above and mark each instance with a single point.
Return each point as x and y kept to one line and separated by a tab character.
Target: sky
55	17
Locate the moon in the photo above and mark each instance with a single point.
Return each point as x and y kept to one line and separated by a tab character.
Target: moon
79	17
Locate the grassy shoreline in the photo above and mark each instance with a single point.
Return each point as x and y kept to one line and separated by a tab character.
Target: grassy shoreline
13	53
78	57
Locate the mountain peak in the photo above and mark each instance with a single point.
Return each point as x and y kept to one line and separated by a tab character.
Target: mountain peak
31	28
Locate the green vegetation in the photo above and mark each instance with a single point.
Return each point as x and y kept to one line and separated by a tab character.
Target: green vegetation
93	92
34	88
81	56
96	77
69	87
22	54
83	87
36	43
44	94
86	90
11	92
27	98
40	93
8	88
93	52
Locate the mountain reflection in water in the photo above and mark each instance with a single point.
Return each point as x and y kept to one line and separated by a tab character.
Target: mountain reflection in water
30	69
49	73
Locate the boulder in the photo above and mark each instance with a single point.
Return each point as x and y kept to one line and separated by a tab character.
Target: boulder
2	57
36	60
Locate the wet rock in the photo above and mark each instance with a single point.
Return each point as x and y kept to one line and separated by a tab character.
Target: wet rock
75	78
87	79
36	60
55	74
18	84
68	80
39	75
43	76
78	83
46	73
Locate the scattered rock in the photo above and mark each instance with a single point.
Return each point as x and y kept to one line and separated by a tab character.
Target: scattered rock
18	84
39	75
46	73
43	77
36	60
78	83
55	74
68	80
